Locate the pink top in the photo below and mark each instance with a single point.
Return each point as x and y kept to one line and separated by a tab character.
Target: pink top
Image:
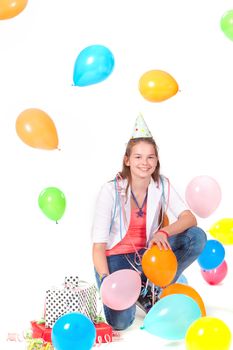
135	237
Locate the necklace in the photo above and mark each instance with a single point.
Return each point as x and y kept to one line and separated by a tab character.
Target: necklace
140	213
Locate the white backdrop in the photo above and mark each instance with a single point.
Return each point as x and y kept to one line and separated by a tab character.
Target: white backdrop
193	129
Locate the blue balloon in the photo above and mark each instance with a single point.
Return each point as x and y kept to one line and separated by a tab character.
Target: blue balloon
171	316
73	331
212	255
93	65
182	279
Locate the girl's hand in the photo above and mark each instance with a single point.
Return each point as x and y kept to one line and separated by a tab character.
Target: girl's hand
160	239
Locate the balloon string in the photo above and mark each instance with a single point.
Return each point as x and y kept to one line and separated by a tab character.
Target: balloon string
153	294
134	267
121	193
168	194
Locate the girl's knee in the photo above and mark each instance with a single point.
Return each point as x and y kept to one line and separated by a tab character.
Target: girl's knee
120	320
120	324
198	238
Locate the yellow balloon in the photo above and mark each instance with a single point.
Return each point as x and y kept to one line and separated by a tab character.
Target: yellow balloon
157	86
36	129
11	8
222	230
208	333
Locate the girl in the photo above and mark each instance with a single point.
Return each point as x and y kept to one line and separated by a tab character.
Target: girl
128	220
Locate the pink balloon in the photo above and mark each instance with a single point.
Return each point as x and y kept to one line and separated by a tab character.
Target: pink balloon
203	195
121	289
215	276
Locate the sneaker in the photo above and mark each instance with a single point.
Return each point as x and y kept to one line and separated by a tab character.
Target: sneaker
145	300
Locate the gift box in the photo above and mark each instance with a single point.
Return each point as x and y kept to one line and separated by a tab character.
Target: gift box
103	333
40	331
71	297
71	282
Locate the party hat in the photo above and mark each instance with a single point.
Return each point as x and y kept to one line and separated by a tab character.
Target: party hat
140	128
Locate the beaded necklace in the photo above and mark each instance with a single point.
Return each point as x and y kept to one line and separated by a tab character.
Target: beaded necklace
140	213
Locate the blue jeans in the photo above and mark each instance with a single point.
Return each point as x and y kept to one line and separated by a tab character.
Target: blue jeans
187	246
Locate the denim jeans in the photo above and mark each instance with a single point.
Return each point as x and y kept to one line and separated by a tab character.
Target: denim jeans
187	246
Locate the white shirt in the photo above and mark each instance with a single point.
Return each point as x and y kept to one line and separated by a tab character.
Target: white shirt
113	208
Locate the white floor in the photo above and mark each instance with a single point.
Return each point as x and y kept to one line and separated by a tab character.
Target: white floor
217	299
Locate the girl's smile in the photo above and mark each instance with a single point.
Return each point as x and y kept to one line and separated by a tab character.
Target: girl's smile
142	161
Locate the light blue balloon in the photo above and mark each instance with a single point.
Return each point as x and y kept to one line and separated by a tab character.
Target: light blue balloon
171	316
182	279
73	331
212	255
93	65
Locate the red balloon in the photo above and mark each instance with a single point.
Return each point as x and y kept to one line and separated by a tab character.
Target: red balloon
215	276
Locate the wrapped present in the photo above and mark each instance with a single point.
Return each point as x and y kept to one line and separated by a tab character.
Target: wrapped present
103	333
70	298
71	282
40	331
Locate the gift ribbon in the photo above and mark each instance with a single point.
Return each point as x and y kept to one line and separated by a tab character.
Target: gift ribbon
33	344
39	344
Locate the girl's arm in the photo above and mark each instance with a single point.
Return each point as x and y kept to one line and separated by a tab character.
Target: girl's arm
185	220
99	258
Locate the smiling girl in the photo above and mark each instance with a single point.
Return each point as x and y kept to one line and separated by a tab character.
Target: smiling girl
128	219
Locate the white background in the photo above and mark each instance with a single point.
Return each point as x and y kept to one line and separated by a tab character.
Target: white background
38	49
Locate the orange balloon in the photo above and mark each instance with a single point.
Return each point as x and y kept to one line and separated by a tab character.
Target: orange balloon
11	8
179	288
36	129
157	86
165	221
159	266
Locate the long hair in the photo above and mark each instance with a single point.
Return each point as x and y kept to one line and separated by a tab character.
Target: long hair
125	172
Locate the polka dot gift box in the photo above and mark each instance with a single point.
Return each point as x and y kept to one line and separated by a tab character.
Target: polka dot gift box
73	296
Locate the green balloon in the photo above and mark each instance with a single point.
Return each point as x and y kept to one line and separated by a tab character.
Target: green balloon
226	24
52	202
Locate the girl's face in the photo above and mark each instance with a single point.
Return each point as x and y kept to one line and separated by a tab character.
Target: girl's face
142	160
